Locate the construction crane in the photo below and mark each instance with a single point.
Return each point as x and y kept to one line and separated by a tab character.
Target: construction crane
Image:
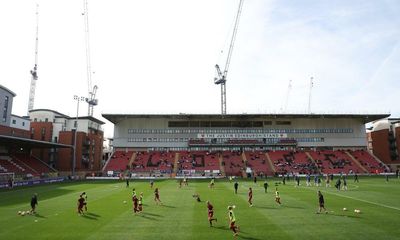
309	95
34	76
221	76
287	96
91	99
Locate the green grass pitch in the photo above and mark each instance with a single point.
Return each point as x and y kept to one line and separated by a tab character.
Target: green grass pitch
181	217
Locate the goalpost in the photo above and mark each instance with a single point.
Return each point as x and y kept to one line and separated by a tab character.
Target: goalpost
5	178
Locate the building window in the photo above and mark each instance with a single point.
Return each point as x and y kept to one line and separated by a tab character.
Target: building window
5	109
283	123
35	119
46	119
23	124
75	124
14	121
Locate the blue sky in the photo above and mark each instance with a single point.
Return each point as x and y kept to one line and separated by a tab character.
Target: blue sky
158	56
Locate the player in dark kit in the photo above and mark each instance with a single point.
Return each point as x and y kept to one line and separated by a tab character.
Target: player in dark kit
85	202
10	183
355	177
157	196
236	185
34	203
321	202
81	203
197	197
265	186
250	197
210	213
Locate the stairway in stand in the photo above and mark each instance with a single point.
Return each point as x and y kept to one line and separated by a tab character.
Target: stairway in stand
271	165
132	159
221	166
244	159
357	162
312	160
175	170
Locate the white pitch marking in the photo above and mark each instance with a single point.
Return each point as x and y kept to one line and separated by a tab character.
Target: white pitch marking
361	200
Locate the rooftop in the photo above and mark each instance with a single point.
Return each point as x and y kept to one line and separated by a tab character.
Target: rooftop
366	118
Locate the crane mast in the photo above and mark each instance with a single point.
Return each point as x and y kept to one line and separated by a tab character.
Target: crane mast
309	95
287	96
91	99
34	76
221	76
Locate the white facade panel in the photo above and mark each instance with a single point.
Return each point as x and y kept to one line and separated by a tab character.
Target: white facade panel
20	123
309	132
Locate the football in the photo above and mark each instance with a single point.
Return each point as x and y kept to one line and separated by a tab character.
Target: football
344	209
19	212
22	213
124	202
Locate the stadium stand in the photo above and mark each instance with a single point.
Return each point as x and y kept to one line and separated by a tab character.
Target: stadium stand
368	161
34	164
292	162
335	162
235	163
119	161
23	164
156	161
257	161
200	161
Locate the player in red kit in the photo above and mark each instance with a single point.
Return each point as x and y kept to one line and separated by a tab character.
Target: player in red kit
210	213
157	197
81	204
135	203
250	197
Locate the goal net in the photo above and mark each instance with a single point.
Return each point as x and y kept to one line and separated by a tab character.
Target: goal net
5	177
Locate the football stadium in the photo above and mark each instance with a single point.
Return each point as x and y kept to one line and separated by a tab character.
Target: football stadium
260	173
252	176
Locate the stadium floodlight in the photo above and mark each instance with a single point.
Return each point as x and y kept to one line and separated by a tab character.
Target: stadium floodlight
77	99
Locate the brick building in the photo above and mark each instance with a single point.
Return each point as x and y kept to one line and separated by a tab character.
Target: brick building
52	126
384	141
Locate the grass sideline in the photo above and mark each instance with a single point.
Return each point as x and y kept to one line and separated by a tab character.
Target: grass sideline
181	217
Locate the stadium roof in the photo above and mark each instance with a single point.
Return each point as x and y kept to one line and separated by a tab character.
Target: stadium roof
8	90
48	110
61	115
93	119
366	118
26	142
